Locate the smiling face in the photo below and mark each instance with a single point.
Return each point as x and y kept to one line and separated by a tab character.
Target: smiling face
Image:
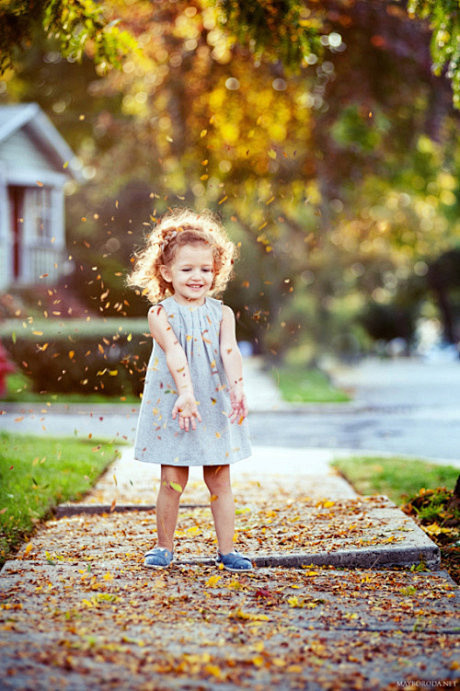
191	273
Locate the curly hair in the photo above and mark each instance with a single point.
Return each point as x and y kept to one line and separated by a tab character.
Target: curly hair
175	229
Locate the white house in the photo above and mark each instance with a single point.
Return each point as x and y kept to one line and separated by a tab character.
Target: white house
35	163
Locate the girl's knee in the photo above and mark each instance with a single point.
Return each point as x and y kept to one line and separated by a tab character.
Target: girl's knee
174	479
217	478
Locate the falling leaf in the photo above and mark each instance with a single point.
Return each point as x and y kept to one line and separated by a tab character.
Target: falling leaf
175	486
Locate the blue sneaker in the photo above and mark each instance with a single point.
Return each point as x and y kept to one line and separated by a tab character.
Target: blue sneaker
234	561
158	558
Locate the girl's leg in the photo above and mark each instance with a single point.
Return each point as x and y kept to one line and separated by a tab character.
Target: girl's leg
217	479
173	482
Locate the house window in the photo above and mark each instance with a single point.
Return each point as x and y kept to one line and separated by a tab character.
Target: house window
40	208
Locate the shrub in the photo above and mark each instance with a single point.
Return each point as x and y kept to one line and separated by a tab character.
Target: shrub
80	356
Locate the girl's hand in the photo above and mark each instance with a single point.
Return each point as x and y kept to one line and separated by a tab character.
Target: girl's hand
239	405
187	410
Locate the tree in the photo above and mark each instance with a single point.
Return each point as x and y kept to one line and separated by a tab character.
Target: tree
293	30
79	26
336	178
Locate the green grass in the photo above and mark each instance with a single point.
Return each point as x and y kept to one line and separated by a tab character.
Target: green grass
37	473
302	385
398	478
19	390
54	328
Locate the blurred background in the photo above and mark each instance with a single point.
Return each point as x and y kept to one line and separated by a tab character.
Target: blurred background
319	132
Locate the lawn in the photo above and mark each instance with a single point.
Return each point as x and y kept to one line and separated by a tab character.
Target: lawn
425	491
397	477
19	390
303	385
38	473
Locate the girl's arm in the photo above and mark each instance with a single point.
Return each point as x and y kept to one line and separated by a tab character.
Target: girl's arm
164	335
233	365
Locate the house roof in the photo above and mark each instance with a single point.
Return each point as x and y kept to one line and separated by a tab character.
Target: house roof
31	117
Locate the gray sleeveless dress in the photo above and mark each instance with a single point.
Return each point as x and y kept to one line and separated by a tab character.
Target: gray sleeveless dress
215	441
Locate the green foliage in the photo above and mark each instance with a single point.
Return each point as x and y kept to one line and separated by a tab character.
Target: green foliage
362	134
287	30
38	473
19	388
444	18
398	478
388	321
303	385
80	356
339	179
293	32
436	506
79	27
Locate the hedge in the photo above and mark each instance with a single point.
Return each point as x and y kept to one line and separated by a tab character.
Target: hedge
102	355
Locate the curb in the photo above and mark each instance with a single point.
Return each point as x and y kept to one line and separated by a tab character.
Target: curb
418	547
63	510
365	558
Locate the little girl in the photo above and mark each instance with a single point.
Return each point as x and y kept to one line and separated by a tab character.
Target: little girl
193	408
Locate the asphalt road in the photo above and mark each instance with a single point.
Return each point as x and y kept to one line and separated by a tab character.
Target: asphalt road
406	407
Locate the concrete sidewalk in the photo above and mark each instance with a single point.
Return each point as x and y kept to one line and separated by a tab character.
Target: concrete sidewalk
78	610
284	480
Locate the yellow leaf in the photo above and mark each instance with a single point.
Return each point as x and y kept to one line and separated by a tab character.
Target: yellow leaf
240	614
203	133
279	662
71	353
212	581
294	601
175	486
28	548
214	670
108	577
272	153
